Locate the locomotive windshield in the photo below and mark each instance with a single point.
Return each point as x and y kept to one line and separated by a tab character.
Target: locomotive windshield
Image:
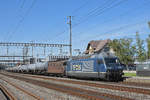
112	61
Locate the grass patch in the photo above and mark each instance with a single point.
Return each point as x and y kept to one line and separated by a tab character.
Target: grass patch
129	74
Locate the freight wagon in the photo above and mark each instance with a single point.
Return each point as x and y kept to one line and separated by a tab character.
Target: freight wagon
56	68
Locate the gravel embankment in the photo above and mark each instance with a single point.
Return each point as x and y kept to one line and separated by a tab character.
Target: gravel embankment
131	95
87	81
46	94
17	93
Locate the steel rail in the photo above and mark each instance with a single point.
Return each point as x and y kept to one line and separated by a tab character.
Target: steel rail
21	89
88	94
100	85
7	93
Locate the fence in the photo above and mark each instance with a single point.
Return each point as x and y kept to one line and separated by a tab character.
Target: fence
143	69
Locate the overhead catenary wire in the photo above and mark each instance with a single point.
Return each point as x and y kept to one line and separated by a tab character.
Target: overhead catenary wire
23	3
21	8
121	15
73	12
100	11
117	29
92	10
18	11
80	7
101	7
21	20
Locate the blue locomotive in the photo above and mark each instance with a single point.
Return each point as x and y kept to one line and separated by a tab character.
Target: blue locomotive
107	68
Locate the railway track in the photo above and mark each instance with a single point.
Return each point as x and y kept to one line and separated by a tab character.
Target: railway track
7	95
83	93
136	84
108	86
113	86
23	90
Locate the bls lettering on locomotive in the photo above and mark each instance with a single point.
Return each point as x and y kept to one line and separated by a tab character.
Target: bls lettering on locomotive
77	67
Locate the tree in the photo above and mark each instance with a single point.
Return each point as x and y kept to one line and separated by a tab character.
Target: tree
124	50
148	47
148	43
128	51
140	51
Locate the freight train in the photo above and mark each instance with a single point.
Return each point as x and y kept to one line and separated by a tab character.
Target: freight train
97	67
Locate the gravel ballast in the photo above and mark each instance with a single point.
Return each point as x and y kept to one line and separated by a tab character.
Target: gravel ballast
44	93
131	95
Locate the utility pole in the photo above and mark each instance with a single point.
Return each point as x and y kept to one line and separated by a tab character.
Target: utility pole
44	51
7	50
149	24
23	54
70	25
60	53
51	51
32	48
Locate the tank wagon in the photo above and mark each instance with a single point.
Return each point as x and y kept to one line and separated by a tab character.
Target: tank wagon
30	68
98	67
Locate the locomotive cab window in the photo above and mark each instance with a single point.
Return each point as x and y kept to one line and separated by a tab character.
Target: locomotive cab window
112	61
99	61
